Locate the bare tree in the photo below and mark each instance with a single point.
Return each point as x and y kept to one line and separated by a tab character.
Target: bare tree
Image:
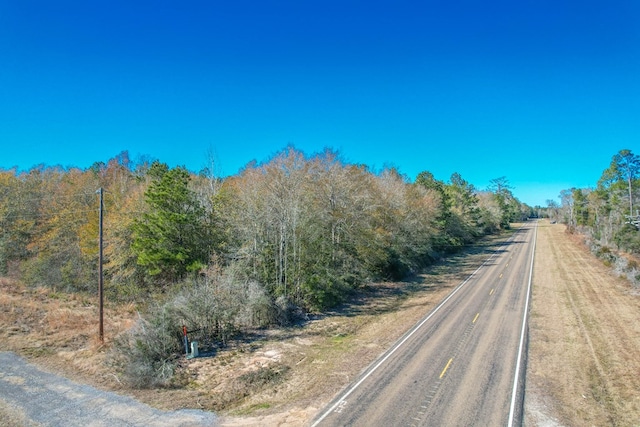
566	197
552	209
624	167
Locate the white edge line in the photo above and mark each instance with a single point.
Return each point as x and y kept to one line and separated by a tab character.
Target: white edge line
393	350
522	332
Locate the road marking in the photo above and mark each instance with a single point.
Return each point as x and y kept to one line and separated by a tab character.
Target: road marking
475	318
491	293
522	333
341	406
501	275
446	367
406	337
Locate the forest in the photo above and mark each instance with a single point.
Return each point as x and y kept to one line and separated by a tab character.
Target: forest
606	214
307	228
294	234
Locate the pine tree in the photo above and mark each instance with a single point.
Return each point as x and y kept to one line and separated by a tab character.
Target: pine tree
171	238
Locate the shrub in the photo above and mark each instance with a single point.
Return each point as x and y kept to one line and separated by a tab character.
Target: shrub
264	376
628	269
147	354
214	307
606	255
628	239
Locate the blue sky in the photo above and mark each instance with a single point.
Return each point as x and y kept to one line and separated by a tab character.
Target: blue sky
542	92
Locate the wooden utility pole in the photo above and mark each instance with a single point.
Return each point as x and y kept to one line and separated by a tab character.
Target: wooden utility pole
100	275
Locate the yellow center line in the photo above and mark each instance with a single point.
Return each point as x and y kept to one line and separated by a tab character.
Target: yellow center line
475	318
446	367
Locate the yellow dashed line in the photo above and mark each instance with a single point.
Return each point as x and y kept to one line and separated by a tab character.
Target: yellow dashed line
446	367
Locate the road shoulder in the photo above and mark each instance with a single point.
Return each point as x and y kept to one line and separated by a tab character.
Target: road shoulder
583	367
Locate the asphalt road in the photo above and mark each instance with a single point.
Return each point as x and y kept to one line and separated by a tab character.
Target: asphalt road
46	399
459	366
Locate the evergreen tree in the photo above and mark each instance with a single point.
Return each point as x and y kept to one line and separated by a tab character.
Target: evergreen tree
623	170
509	205
171	238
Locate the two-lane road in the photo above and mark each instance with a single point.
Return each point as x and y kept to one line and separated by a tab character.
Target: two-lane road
461	365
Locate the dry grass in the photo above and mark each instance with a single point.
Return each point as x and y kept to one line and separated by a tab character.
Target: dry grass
584	339
274	377
583	364
14	417
59	330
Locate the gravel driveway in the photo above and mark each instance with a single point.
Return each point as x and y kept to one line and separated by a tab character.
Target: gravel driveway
50	400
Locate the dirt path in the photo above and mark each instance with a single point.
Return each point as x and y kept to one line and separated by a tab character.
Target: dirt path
584	364
41	398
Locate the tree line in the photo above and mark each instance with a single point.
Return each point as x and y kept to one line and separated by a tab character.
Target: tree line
607	214
295	233
309	229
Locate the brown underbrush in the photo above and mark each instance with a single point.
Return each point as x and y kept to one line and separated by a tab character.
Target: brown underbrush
276	376
582	366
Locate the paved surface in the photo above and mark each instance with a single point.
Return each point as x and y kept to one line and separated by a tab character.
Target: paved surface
458	366
51	400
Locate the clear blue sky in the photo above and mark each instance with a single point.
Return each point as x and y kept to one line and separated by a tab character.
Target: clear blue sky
542	92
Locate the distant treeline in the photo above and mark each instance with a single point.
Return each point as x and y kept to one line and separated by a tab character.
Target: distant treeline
305	229
607	214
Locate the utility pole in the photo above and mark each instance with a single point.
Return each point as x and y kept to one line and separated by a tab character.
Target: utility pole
100	275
